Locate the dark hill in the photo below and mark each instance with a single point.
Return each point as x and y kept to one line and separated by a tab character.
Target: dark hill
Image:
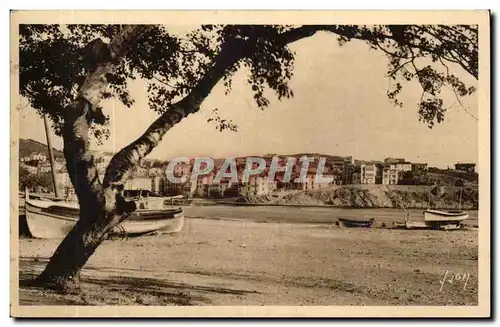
29	146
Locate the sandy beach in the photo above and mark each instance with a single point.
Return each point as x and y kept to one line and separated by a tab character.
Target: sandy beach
244	262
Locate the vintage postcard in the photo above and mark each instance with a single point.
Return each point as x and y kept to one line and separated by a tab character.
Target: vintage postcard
250	164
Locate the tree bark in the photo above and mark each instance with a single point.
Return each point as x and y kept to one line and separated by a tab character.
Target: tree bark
95	202
99	207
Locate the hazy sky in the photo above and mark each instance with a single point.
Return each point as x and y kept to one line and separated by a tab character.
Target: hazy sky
340	107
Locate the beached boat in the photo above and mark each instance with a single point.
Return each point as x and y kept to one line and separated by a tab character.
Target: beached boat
432	215
54	219
367	223
148	199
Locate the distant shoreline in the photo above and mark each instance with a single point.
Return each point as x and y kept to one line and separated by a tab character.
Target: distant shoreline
243	204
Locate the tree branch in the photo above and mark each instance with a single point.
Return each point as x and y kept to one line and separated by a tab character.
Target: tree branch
457	97
95	82
446	54
395	70
164	83
122	163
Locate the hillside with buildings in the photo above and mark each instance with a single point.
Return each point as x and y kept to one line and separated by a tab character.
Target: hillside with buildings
354	182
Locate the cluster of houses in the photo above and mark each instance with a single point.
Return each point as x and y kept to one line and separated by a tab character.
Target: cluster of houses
38	162
393	170
152	175
389	172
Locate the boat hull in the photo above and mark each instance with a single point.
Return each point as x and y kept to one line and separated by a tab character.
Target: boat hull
49	220
444	216
145	222
44	224
357	223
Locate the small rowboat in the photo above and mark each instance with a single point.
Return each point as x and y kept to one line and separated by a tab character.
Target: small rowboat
431	215
54	219
345	222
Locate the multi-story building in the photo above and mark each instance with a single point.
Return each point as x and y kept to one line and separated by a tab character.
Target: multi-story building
401	166
310	182
39	157
203	184
390	175
35	159
369	173
182	169
257	185
350	169
337	169
392	172
158	184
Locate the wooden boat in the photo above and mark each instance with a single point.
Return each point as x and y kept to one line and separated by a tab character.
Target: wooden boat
437	220
54	219
154	200
345	222
432	215
415	224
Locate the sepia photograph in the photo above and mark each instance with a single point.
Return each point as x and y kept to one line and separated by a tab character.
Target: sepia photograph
250	164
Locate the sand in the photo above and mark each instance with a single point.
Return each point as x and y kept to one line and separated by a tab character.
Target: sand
242	262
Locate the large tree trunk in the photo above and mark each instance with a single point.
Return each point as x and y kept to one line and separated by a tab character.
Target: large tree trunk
101	206
95	202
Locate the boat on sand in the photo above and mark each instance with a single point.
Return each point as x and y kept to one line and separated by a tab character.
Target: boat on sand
435	219
55	218
432	215
360	223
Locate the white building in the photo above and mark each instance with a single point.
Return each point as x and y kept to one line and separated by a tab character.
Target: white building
392	172
390	176
368	173
39	157
257	185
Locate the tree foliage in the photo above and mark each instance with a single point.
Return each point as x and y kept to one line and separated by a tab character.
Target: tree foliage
55	58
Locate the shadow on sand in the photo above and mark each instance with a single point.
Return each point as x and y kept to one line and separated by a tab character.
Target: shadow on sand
102	286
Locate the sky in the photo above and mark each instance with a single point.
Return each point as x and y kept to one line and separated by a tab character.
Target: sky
340	107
